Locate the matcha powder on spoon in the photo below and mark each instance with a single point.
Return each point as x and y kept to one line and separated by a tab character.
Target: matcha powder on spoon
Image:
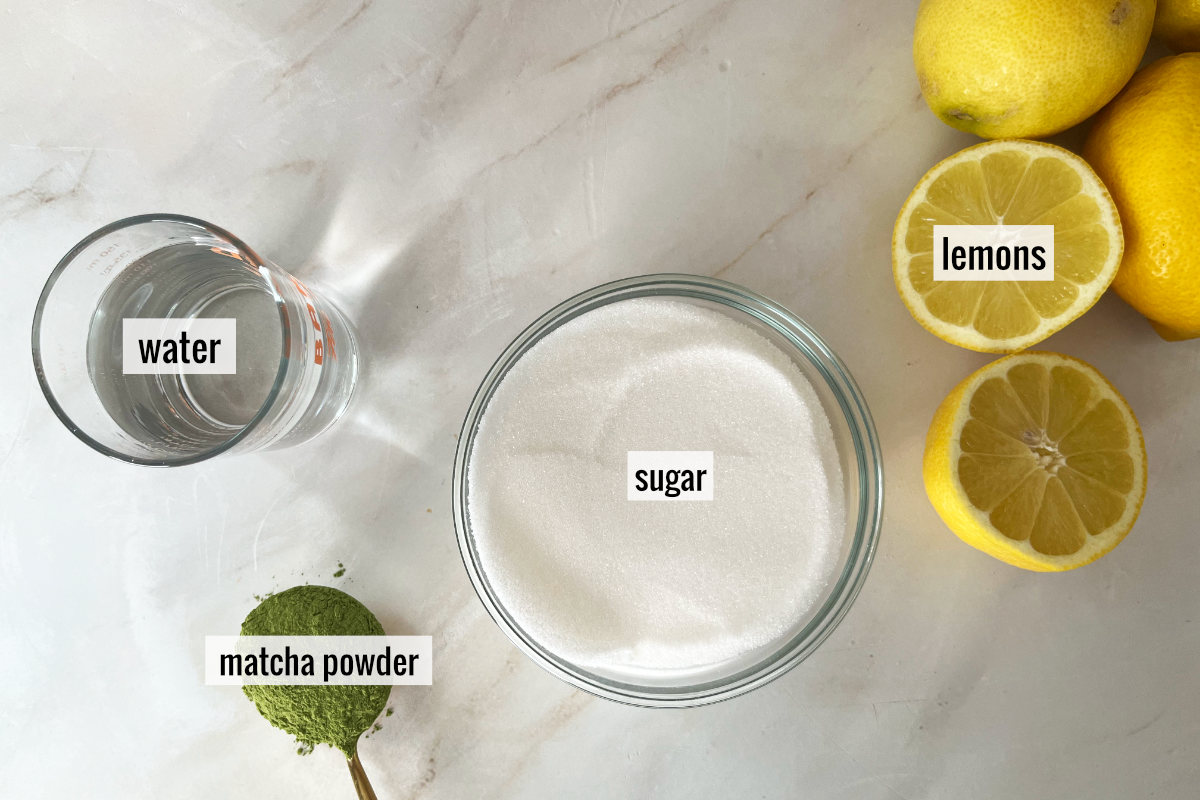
333	715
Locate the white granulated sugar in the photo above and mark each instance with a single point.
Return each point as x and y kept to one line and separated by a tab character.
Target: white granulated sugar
607	583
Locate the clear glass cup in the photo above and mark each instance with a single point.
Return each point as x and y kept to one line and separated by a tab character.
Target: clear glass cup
858	452
296	356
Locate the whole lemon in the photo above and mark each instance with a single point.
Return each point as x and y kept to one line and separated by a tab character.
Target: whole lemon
1177	22
1026	68
1146	148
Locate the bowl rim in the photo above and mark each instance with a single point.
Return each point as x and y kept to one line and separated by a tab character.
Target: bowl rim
867	456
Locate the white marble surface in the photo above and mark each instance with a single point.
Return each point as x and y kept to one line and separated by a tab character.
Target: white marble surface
451	169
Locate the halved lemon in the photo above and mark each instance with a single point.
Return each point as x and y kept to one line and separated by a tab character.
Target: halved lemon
1008	182
1037	460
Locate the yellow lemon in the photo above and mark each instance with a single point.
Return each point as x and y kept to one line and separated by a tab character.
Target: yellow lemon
1010	182
1026	68
1038	461
1146	147
1177	22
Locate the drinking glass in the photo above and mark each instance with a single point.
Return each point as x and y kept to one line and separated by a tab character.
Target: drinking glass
294	357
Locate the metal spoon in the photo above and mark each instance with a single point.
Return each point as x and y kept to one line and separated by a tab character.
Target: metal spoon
361	784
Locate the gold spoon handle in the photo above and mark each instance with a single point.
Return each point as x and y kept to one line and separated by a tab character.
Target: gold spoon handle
361	784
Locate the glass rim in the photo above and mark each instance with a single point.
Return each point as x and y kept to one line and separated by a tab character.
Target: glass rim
803	340
65	262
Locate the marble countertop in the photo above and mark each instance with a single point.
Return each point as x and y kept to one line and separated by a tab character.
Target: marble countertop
449	169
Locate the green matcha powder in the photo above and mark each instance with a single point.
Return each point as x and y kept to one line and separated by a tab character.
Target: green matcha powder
333	715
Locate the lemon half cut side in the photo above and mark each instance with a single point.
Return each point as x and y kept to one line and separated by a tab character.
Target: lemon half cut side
1008	182
1038	461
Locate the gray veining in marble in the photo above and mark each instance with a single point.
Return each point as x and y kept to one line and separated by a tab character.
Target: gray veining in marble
449	170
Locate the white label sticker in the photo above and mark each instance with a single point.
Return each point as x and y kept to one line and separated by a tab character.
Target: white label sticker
669	475
318	660
199	346
993	252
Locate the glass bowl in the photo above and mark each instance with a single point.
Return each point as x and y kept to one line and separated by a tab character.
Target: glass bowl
862	470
